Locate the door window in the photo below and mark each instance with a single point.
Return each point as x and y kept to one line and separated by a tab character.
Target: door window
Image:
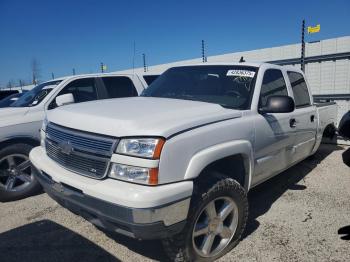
273	85
83	90
300	90
150	78
120	86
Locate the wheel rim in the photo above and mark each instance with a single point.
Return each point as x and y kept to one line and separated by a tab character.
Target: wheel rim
15	172
215	227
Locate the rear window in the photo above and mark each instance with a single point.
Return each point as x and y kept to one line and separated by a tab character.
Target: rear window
300	90
120	86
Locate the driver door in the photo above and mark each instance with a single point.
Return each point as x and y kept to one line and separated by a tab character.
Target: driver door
274	136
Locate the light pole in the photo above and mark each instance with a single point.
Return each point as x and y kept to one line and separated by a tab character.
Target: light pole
144	63
302	58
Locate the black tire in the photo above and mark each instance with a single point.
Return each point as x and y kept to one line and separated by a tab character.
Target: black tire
22	188
180	247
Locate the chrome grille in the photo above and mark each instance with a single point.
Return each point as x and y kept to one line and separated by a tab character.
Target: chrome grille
80	152
81	140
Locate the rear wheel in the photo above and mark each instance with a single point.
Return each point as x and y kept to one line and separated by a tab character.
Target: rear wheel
216	221
16	178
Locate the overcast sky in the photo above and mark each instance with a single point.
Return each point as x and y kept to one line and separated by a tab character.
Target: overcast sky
63	35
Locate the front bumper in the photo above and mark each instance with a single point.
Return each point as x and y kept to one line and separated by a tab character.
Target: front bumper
149	222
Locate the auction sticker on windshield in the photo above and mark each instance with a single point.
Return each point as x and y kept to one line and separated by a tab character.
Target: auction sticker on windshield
241	73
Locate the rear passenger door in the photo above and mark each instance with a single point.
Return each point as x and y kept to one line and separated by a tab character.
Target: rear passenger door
117	87
274	137
305	117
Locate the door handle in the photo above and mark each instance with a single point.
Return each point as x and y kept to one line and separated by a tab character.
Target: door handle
292	123
312	118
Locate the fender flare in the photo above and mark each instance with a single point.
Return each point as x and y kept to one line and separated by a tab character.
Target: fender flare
19	139
211	154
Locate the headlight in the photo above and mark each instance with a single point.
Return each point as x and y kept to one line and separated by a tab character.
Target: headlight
141	147
134	174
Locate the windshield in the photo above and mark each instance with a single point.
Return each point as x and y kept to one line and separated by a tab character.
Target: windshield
228	86
36	95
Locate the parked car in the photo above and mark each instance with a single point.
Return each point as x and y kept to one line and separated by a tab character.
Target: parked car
344	126
344	131
177	163
9	100
20	123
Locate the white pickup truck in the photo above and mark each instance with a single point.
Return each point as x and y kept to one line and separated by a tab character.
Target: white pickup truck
177	162
21	122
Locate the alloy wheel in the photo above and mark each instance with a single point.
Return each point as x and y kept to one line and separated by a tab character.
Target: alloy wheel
15	172
215	227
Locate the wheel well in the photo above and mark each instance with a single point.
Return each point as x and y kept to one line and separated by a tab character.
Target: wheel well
231	166
18	140
329	131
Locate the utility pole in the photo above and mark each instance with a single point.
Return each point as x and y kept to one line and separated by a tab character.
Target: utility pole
34	79
53	76
302	58
73	71
21	84
133	57
204	58
144	63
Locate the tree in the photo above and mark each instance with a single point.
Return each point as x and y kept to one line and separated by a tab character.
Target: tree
35	66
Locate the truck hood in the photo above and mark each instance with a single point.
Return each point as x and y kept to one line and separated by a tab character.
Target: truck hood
10	115
140	116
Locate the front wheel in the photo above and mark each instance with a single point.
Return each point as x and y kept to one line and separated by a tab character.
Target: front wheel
16	178
216	221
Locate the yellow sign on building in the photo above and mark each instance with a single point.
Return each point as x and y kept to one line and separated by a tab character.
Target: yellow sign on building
313	29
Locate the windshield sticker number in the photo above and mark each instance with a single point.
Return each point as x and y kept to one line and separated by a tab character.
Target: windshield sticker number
241	73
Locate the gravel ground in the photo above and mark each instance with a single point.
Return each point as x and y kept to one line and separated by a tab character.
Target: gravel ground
293	217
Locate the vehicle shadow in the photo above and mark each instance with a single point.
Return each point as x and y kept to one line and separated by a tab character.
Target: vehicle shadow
152	249
262	197
37	193
47	241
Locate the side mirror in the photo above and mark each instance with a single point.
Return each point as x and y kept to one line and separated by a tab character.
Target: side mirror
278	104
64	99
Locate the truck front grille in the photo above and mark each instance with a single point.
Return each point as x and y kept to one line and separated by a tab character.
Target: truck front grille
83	153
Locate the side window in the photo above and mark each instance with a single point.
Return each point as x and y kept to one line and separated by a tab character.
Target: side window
83	90
300	90
120	86
150	78
273	85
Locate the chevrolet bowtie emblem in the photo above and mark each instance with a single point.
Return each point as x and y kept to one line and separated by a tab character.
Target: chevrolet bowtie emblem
66	147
